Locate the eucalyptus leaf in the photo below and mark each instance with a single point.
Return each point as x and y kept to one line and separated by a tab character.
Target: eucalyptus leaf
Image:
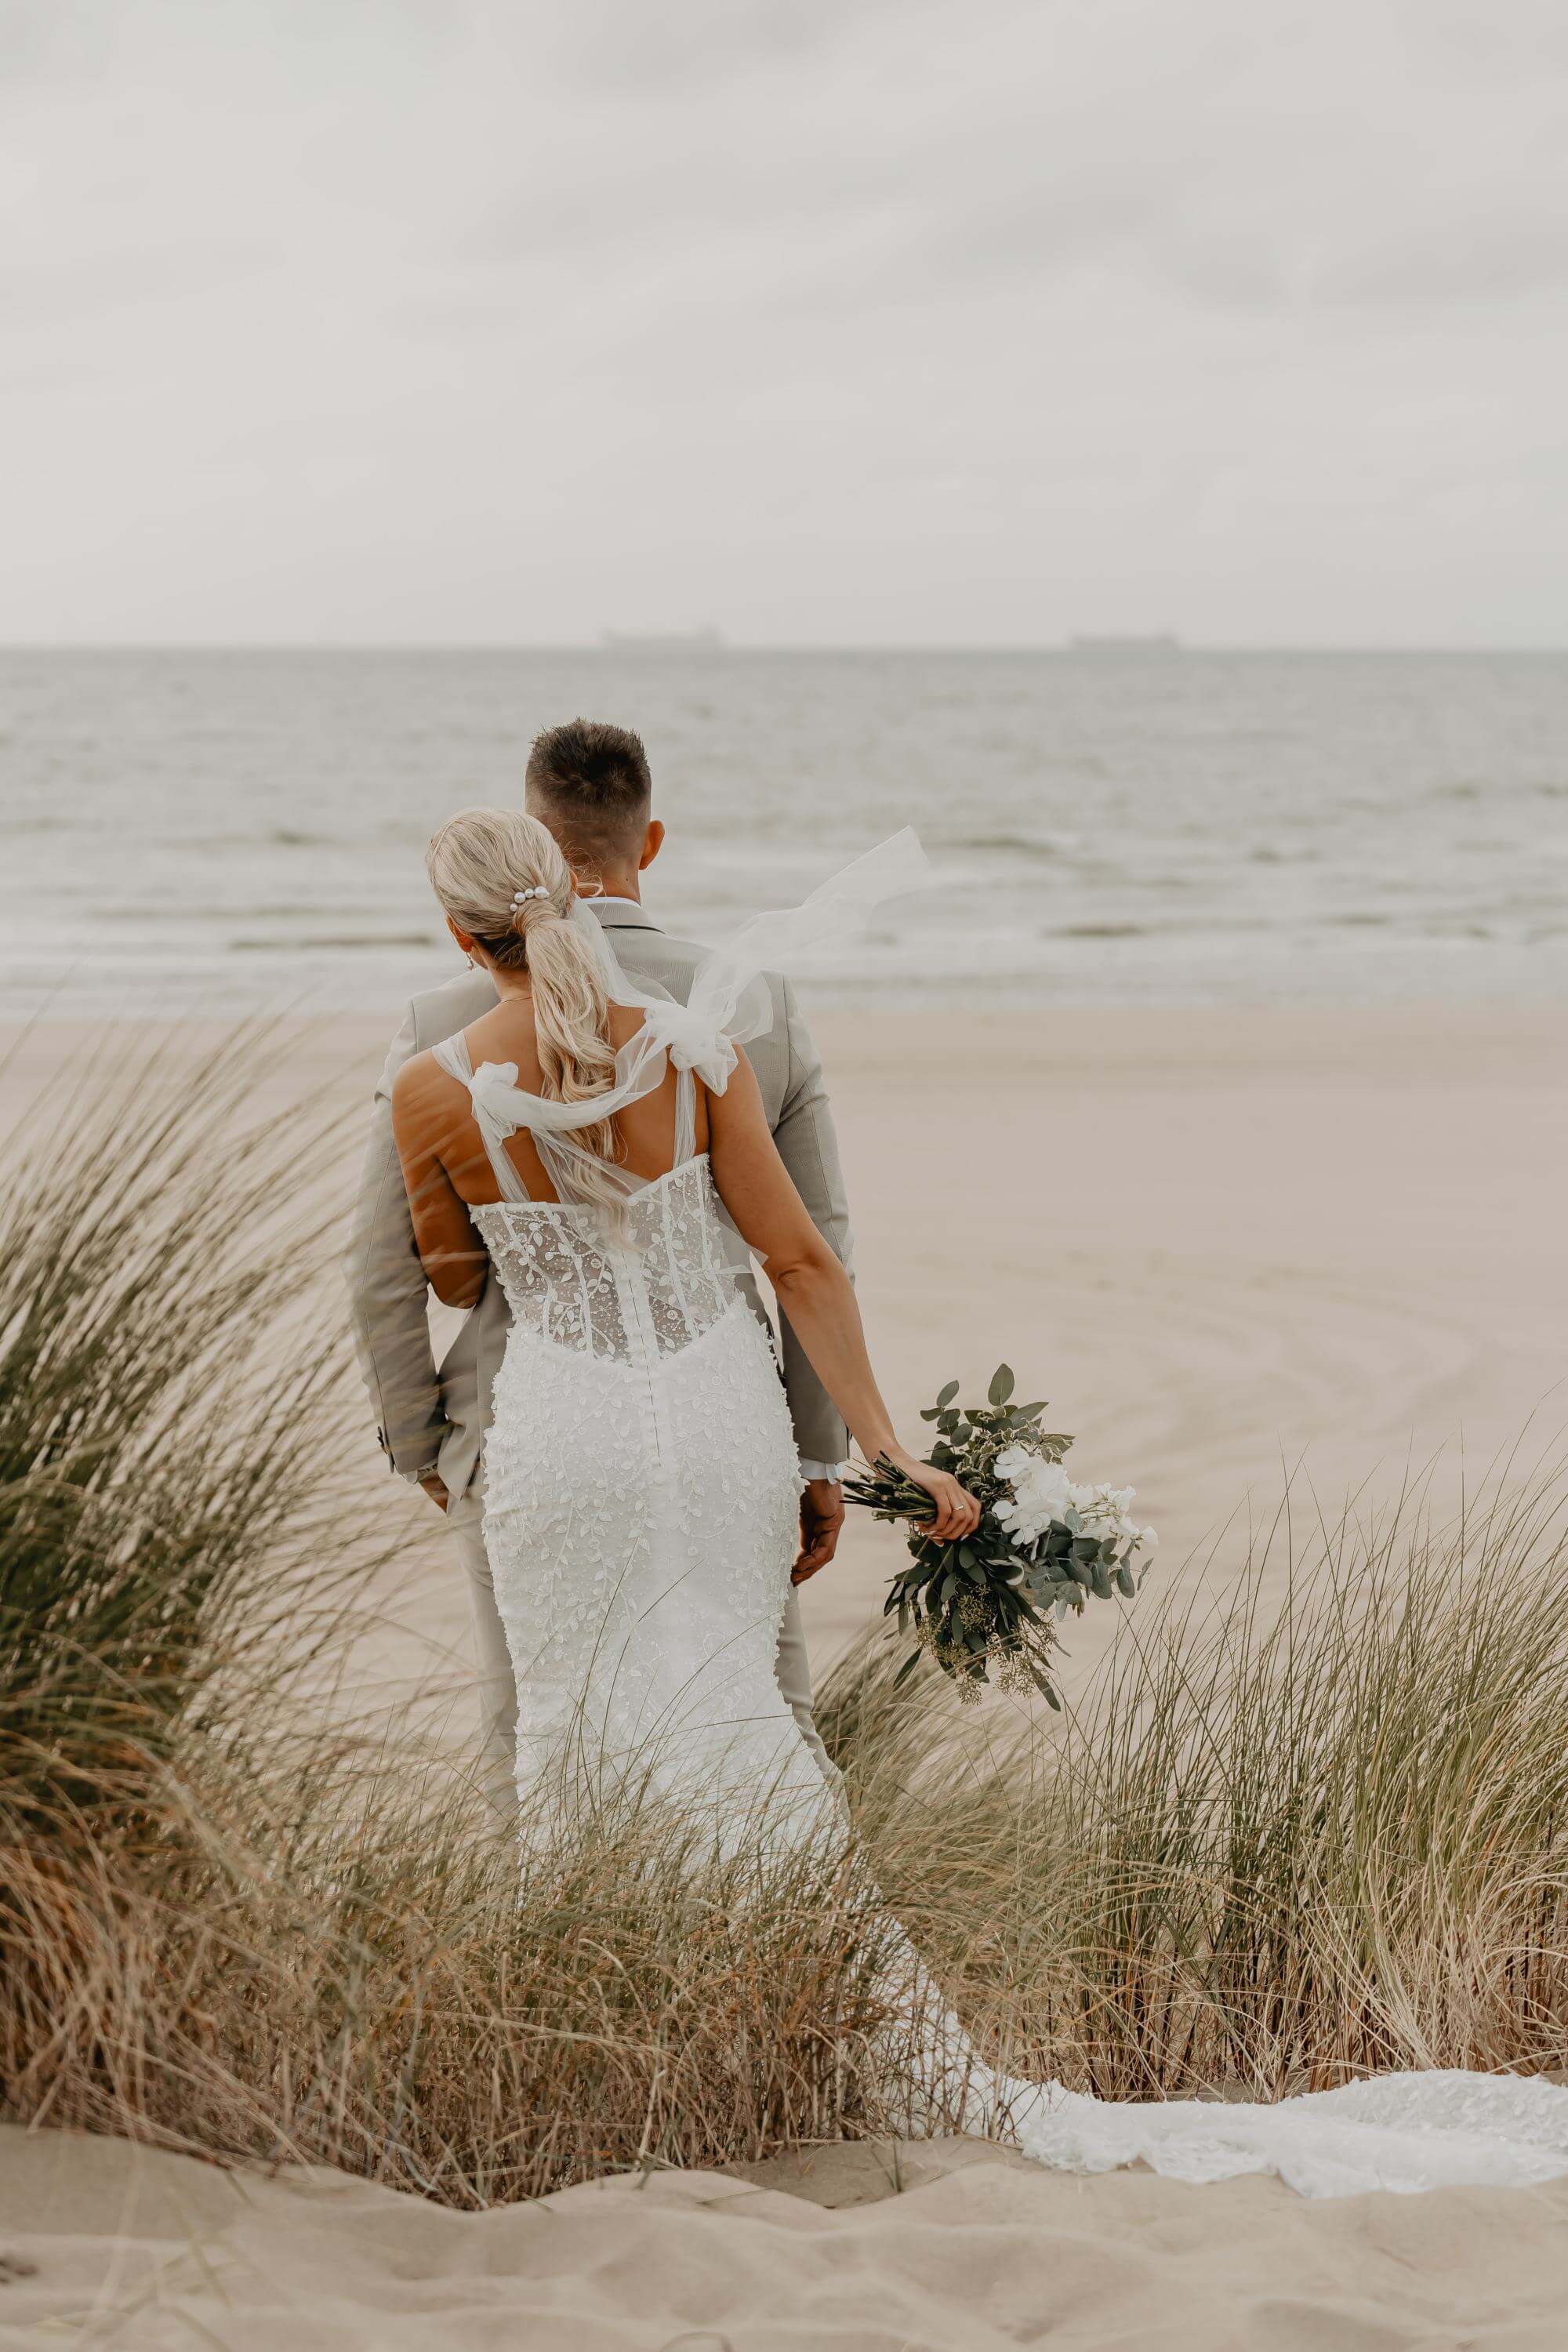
1001	1384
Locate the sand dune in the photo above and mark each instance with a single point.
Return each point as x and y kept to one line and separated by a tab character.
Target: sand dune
150	2252
1214	1239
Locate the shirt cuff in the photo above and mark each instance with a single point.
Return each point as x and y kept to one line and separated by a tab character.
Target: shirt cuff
834	1470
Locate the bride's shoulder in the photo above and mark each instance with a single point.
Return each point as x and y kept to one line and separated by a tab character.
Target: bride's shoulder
420	1081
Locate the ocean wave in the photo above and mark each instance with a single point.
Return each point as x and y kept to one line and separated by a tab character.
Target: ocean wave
306	943
1012	845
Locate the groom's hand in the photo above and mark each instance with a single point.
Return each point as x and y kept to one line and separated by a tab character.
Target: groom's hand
821	1517
435	1489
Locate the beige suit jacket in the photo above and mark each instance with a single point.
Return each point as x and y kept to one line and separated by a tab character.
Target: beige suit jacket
434	1417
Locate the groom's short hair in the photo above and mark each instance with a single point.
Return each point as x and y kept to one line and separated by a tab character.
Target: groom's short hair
589	782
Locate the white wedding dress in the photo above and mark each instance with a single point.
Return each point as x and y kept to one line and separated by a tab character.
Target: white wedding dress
640	1494
640	1497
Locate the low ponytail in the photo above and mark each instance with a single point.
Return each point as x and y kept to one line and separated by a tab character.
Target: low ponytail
501	876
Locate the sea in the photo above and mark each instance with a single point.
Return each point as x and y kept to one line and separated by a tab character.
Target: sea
223	833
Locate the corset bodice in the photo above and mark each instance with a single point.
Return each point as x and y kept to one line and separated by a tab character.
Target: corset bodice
651	1291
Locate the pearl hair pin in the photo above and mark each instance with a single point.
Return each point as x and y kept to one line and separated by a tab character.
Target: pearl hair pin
521	897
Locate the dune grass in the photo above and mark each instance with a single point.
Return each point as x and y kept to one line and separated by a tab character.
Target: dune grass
1312	1829
167	1418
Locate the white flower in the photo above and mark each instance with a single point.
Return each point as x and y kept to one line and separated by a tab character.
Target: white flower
1041	1493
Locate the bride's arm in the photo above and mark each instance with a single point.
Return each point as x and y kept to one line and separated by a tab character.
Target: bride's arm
450	1250
812	1288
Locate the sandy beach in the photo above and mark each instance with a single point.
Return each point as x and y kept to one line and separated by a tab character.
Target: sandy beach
1222	1243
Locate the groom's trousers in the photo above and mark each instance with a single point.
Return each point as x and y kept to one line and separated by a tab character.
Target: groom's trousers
497	1686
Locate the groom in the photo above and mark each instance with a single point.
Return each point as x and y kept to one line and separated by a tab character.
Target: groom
589	782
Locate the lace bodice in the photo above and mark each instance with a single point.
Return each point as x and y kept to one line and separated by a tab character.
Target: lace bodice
654	1290
646	1282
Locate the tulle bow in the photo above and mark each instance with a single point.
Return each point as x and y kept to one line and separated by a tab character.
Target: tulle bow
493	1083
692	1040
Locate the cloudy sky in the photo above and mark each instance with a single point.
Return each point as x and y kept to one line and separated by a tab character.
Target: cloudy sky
828	322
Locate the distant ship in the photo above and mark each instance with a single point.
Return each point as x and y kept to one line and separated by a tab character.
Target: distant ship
663	641
1155	644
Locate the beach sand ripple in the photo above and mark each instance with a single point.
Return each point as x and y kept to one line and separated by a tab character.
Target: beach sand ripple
150	2249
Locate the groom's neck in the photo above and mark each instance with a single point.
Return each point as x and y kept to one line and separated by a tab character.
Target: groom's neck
610	882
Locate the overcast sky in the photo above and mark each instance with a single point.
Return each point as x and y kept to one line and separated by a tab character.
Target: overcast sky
826	321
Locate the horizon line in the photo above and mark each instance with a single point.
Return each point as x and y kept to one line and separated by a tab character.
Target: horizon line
1095	645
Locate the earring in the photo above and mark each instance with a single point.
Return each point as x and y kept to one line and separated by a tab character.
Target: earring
469	962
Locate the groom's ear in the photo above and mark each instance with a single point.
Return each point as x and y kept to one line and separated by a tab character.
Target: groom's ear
652	842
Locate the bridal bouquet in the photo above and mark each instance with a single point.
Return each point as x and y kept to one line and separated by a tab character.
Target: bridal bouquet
1043	1545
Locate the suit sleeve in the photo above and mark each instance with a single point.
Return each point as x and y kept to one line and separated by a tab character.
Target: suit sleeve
387	1294
809	1150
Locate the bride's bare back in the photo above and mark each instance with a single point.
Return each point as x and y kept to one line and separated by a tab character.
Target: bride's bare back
445	1163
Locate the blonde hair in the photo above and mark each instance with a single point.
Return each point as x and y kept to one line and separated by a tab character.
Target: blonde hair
481	864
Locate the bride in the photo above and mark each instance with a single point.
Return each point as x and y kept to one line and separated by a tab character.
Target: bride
605	1147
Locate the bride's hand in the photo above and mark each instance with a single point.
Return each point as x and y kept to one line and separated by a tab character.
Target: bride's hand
957	1512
